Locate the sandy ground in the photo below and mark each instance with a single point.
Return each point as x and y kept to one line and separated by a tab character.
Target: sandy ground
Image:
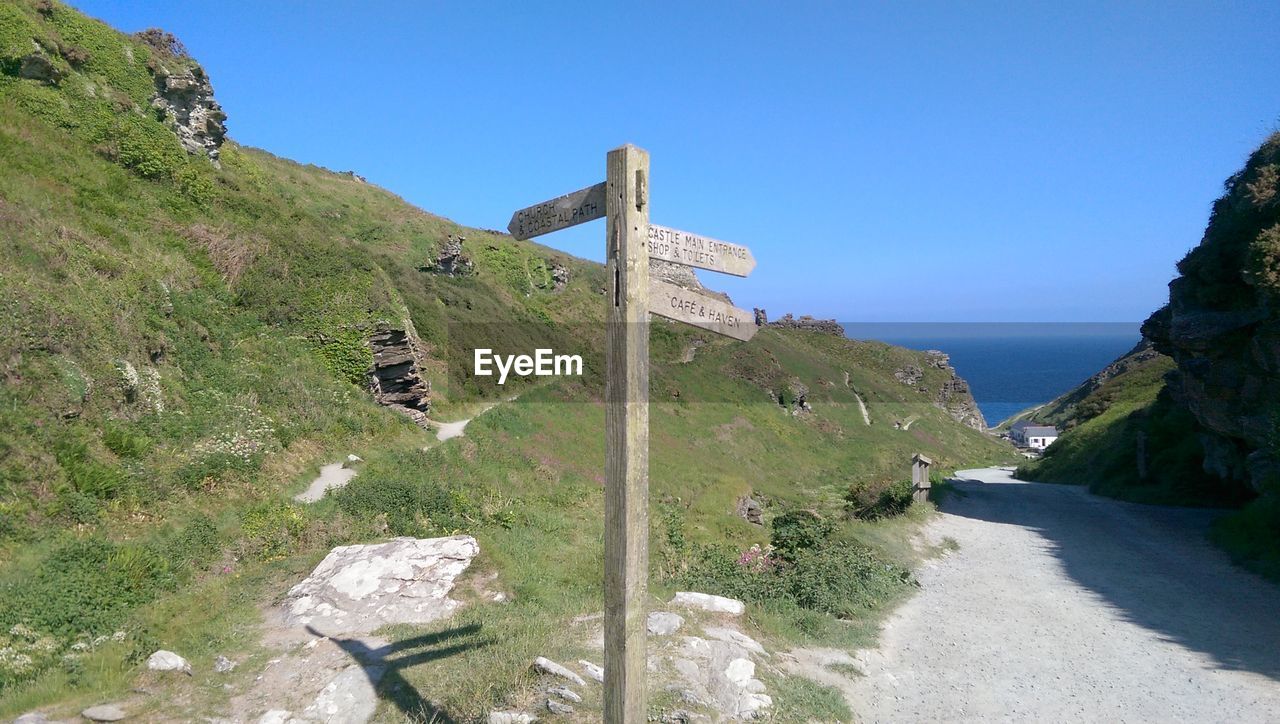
1063	606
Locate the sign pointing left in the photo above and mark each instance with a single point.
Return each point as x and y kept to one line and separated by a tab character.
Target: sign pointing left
559	213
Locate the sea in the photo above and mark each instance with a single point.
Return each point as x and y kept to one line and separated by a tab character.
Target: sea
1013	366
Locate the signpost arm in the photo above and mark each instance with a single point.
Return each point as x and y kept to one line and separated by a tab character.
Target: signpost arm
626	517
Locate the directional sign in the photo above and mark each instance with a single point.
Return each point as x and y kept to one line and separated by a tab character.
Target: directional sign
700	310
702	252
559	213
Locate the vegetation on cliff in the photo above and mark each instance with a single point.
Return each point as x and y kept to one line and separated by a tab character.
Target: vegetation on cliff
1198	422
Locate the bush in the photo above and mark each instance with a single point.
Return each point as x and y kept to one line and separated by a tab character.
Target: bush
147	147
124	442
869	502
842	580
272	529
799	530
195	182
407	507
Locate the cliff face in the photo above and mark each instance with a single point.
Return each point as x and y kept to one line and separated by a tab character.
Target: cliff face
1222	327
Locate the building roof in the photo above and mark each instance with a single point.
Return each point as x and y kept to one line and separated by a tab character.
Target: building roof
1040	431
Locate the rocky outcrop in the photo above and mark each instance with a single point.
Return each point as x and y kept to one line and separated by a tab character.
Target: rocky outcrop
450	259
559	276
1222	327
807	322
681	276
395	379
762	316
954	397
359	588
749	509
186	100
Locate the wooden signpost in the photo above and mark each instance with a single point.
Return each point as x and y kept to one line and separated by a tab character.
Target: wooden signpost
630	240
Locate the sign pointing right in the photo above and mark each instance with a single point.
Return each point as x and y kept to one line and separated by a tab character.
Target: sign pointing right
700	309
702	252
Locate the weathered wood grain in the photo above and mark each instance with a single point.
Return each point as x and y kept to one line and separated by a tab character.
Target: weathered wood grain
559	213
700	310
700	251
626	494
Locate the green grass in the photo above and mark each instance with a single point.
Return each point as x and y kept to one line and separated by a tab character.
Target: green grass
182	347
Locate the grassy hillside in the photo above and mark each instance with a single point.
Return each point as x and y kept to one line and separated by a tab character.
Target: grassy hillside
182	346
1122	437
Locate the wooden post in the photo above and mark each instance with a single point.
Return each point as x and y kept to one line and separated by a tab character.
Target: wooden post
920	477
626	426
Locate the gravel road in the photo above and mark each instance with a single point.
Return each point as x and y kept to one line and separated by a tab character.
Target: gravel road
1062	606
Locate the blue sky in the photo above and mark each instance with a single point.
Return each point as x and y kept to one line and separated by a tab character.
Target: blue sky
885	162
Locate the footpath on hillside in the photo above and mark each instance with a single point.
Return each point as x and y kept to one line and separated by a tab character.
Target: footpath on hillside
1064	606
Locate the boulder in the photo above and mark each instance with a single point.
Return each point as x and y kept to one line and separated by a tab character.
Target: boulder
720	675
359	588
104	712
663	623
511	717
350	698
708	602
223	665
167	661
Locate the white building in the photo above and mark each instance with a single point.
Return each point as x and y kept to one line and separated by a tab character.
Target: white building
1029	434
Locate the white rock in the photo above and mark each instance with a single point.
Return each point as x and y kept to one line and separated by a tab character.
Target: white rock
735	637
32	717
556	707
511	717
104	712
565	693
276	716
662	623
740	671
167	661
359	588
593	671
350	698
353	459
548	666
708	602
223	665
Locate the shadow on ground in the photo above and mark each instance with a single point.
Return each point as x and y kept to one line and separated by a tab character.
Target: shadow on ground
384	666
1151	564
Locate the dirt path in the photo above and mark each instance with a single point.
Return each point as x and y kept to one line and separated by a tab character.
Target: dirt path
1063	606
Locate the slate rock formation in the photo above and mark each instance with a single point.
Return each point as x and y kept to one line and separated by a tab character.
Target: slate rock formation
186	101
826	326
1222	327
394	378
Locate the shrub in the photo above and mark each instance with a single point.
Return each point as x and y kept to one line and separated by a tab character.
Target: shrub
195	183
87	475
272	529
147	147
870	502
124	442
410	507
799	530
841	580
